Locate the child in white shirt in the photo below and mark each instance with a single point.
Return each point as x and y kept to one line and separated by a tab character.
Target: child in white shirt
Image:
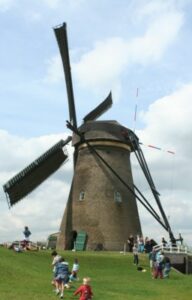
75	270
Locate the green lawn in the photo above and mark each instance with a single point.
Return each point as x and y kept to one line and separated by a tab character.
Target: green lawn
113	276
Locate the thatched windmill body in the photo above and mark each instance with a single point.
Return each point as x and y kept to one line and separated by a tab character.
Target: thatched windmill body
102	198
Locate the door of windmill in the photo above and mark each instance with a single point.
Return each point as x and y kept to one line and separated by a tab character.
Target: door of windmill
81	240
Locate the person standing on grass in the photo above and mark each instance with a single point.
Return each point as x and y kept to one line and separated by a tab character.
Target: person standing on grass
159	265
130	242
152	261
61	276
84	290
140	243
135	255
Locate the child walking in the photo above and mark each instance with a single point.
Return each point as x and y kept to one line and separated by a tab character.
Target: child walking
84	290
61	276
74	271
56	258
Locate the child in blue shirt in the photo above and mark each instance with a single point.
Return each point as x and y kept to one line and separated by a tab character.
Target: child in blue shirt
61	276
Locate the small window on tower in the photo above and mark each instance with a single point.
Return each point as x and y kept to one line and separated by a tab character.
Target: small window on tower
117	197
81	195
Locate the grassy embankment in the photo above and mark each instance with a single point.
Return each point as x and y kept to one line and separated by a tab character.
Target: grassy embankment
113	276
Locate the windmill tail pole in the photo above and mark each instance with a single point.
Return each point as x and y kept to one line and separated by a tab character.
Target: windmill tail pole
146	171
141	159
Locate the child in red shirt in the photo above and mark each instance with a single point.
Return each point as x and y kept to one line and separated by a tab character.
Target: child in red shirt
84	290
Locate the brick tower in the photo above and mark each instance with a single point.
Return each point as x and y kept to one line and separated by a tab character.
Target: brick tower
99	203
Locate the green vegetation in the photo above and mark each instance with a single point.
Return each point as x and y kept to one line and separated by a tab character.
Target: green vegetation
113	276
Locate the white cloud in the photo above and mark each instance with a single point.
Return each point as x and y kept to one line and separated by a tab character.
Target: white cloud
111	57
43	208
174	113
42	211
15	150
159	36
169	126
100	68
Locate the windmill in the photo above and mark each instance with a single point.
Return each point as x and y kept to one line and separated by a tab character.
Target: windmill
102	198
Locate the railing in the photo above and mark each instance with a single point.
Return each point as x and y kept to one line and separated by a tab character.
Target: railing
183	249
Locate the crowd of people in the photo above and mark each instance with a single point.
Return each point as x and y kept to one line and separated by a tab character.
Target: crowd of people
160	264
63	277
142	245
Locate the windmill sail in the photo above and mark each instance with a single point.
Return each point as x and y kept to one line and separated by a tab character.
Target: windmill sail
99	110
34	174
61	36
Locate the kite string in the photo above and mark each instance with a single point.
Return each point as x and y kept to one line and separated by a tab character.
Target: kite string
158	148
135	113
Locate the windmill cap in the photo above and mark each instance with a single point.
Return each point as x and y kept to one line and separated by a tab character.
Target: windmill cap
102	131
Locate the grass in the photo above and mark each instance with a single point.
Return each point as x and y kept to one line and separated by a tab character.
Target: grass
113	276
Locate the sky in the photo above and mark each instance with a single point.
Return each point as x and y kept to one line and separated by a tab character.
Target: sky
140	50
